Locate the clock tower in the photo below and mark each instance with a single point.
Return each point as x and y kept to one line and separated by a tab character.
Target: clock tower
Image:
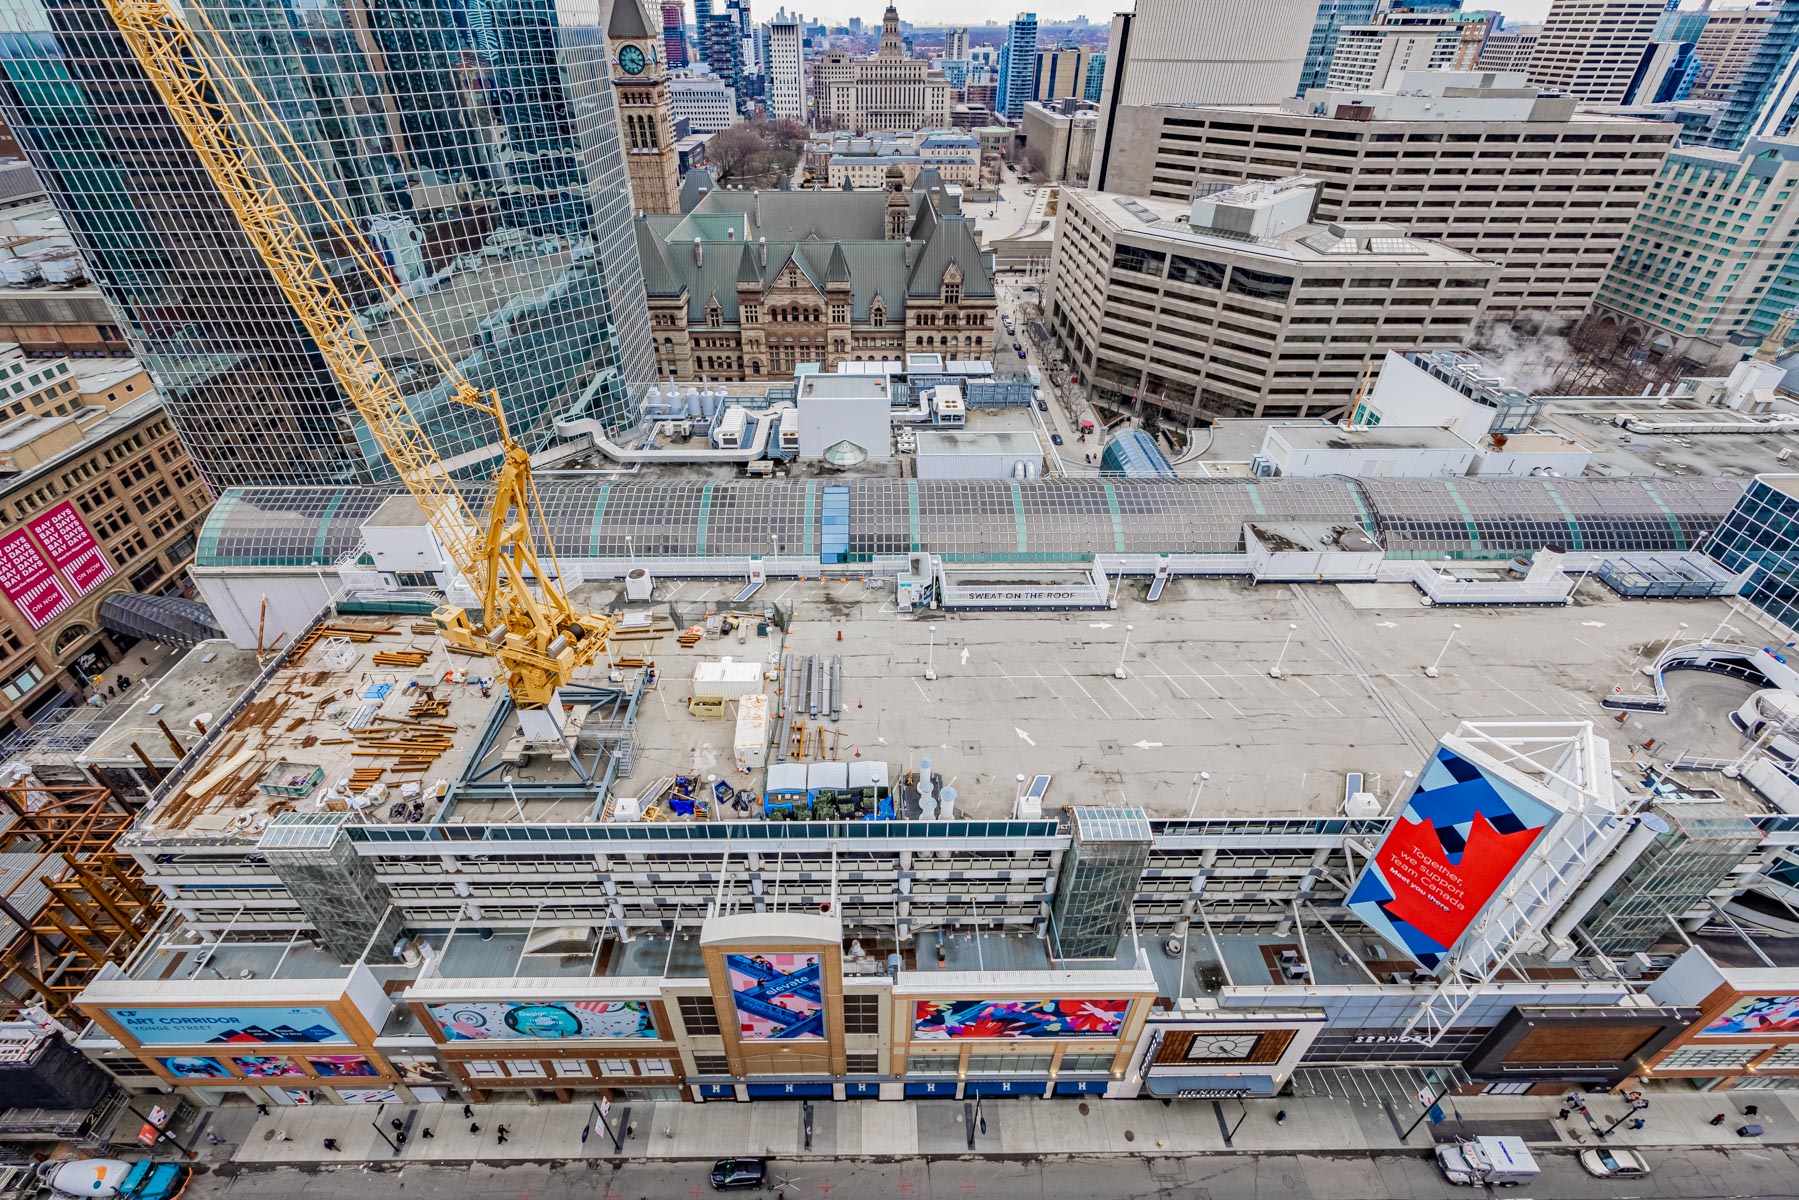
645	116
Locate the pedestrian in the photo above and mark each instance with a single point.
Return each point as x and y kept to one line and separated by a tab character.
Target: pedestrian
1750	1110
1562	1115
467	1112
426	1133
473	1128
262	1110
1717	1120
501	1130
1637	1123
284	1136
1280	1118
331	1144
213	1138
124	682
396	1124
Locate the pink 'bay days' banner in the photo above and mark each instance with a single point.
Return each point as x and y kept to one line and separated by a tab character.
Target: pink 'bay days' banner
29	582
66	538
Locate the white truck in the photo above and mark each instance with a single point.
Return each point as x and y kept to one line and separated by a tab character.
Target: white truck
1500	1161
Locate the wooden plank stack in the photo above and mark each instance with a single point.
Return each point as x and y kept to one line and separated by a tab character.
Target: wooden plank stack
407	745
400	658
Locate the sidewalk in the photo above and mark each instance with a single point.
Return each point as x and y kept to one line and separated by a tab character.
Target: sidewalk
1020	1128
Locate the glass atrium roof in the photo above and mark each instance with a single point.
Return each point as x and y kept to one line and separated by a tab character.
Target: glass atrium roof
1039	520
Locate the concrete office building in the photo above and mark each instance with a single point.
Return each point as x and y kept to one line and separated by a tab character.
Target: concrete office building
703	100
1554	192
1172	306
1168	52
787	100
955	44
1060	73
1712	241
99	501
1727	40
1371	57
1508	49
887	93
516	212
1589	49
1059	138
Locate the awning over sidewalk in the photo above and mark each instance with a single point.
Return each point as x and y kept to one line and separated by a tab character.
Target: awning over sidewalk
1211	1087
1399	1086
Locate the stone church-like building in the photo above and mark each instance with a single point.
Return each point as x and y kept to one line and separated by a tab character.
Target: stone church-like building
747	285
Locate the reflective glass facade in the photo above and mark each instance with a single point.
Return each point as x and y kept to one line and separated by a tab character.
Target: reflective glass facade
1761	535
474	142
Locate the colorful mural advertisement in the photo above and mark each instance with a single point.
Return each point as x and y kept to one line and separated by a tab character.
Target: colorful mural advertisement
1462	834
195	1068
565	1019
1756	1014
779	997
341	1066
422	1071
943	1020
311	1025
368	1095
274	1066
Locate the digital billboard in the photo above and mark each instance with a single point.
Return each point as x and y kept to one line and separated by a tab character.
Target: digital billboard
30	582
1756	1014
195	1068
277	1025
503	1019
779	997
70	545
1462	834
942	1020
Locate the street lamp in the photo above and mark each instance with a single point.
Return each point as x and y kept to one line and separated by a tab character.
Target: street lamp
1118	671
1205	777
930	669
1654	665
1722	626
1274	672
1431	671
776	539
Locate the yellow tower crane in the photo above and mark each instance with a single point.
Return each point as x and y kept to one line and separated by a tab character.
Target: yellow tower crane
538	637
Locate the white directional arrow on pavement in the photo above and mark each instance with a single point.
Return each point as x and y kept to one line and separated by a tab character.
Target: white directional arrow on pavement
1147	745
1594	624
1101	625
965	656
1027	737
1385	625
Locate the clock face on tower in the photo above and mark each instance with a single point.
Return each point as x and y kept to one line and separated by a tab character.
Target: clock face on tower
631	59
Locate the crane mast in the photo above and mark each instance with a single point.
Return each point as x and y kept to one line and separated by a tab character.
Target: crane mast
537	637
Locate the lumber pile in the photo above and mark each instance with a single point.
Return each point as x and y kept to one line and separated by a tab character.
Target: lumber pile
400	658
328	630
429	705
690	637
406	744
363	778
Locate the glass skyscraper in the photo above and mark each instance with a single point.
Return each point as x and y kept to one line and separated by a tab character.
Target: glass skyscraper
1761	536
1765	99
473	142
1018	74
1333	16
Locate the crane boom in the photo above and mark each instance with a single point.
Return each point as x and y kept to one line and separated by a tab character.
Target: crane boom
539	641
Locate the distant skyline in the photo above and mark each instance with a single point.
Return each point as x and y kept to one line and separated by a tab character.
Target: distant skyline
999	12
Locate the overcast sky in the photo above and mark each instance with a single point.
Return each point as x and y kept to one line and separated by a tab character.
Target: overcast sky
935	12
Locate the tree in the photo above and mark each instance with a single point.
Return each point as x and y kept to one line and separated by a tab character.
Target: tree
1151	421
756	153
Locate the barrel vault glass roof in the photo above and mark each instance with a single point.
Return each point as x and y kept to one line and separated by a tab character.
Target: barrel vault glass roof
1045	520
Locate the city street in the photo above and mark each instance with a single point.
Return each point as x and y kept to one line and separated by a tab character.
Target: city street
1695	1174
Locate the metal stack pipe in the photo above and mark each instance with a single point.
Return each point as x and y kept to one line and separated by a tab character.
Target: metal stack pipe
836	686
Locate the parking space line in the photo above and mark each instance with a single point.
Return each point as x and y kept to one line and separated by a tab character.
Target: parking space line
1088	694
1126	699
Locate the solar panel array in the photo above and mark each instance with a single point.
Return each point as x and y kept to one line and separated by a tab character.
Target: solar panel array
1040	520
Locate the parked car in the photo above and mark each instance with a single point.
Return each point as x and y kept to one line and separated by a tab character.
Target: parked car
1056	438
1021	352
1042	404
1606	1163
731	1174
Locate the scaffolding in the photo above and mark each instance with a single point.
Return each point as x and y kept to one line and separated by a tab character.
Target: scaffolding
70	901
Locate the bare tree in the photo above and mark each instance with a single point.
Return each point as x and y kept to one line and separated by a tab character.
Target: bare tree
756	153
